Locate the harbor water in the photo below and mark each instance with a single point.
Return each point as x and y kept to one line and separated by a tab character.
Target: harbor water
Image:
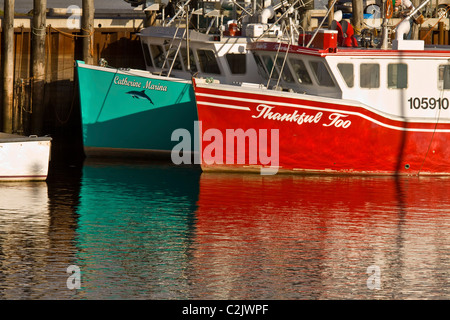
140	230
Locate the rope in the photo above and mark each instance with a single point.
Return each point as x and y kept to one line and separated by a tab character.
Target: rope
41	31
90	32
75	36
44	74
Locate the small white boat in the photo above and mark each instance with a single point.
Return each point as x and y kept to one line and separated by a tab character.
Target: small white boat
24	158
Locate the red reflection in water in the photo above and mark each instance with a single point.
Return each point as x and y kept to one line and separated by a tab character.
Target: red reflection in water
293	237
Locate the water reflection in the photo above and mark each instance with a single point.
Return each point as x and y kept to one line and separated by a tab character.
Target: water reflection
134	229
140	231
290	237
34	250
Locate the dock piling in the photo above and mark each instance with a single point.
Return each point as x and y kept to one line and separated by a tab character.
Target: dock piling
8	66
358	15
38	58
87	26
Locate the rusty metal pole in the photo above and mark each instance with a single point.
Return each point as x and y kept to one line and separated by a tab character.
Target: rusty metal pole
87	26
8	66
39	31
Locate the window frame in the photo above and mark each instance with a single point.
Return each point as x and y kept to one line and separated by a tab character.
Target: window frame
286	74
352	74
389	74
361	73
158	61
305	69
201	62
441	81
193	62
320	81
147	55
235	55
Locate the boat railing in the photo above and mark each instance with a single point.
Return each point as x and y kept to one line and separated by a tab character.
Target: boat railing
285	13
173	49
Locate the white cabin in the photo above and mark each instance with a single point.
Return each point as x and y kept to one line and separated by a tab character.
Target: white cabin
406	83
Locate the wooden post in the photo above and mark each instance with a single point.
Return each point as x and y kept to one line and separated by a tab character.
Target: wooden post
358	15
415	27
87	25
441	32
331	15
38	30
8	65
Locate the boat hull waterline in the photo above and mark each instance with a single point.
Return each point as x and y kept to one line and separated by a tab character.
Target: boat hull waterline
323	135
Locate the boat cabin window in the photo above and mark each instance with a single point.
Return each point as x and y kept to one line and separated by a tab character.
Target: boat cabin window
262	71
346	70
301	73
268	62
321	73
369	75
237	63
192	64
177	64
285	72
157	54
148	59
397	76
444	77
208	62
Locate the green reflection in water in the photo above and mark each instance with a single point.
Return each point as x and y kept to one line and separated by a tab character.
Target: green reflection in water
134	227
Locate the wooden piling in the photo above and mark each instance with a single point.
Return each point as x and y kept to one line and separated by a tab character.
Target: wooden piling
331	15
415	28
8	66
38	58
358	15
441	32
87	26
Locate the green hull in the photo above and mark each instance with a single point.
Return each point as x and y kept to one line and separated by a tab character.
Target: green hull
132	112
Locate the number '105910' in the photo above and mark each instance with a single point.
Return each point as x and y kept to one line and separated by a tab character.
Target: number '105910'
428	103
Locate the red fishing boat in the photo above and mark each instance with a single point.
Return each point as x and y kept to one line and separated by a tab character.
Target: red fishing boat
330	106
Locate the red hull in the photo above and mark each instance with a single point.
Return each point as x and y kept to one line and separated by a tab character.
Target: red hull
358	141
